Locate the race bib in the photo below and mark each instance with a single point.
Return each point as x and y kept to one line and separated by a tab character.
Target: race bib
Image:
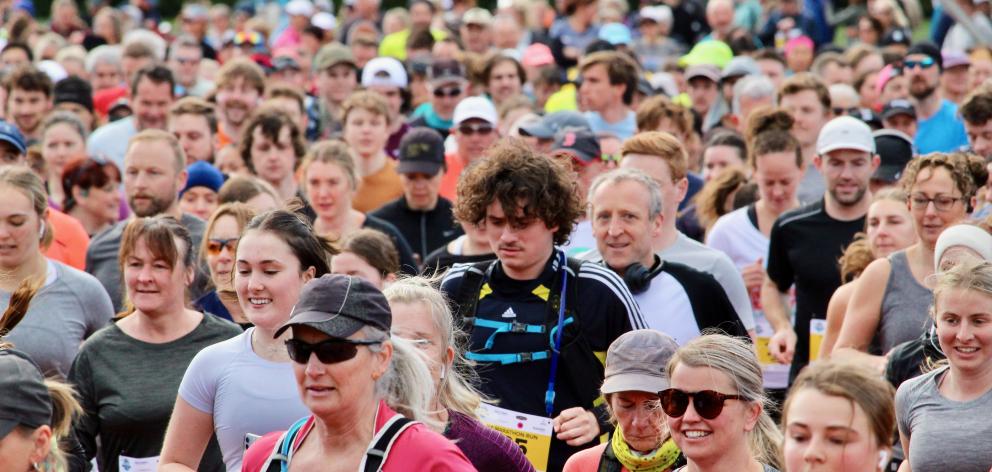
135	464
532	433
776	375
817	329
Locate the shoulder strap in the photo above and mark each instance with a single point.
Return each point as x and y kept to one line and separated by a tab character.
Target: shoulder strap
383	442
467	298
608	461
278	460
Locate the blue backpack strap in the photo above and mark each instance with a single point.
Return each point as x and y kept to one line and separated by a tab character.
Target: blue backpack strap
279	459
508	358
500	327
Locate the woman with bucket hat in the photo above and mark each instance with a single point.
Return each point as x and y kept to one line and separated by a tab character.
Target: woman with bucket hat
635	373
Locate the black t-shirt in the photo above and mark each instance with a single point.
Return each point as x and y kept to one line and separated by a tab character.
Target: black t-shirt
605	311
804	249
424	230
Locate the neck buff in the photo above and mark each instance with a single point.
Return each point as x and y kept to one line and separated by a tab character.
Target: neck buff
657	460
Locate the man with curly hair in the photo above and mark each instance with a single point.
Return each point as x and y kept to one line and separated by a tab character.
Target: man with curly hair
510	307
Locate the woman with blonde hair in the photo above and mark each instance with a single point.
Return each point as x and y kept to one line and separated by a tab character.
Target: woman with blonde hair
220	240
422	315
716	408
329	180
943	414
838	418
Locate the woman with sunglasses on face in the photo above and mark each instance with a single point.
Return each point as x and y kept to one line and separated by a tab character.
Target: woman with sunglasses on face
217	250
635	373
716	408
244	386
127	374
92	195
941	190
943	414
351	375
422	316
329	176
888	228
838	418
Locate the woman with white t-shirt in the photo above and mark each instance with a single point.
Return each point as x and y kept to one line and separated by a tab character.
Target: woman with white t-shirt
245	386
776	162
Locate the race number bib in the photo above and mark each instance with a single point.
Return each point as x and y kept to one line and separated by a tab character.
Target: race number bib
532	433
776	375
135	464
817	329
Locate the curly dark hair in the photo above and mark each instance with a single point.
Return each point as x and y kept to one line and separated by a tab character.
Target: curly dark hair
517	177
271	121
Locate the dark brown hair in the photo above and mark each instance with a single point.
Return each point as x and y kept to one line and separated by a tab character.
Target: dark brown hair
86	174
310	249
518	178
620	69
29	79
271	121
768	131
977	107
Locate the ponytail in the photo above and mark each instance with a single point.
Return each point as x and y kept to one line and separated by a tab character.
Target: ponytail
65	408
766	441
20	300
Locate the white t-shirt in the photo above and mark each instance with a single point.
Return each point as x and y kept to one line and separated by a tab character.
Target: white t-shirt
676	319
243	392
735	235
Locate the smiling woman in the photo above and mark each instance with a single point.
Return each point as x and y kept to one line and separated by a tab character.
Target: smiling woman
126	402
943	412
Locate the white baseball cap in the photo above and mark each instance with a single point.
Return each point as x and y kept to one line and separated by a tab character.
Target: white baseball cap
324	21
299	8
384	71
845	132
475	107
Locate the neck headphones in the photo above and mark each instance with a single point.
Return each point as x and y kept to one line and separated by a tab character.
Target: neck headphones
638	278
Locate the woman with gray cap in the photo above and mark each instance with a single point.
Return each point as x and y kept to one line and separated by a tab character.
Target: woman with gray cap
635	373
35	414
351	375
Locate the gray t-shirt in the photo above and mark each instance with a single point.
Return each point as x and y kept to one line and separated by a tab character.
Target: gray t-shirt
943	434
705	259
128	388
812	187
63	313
102	261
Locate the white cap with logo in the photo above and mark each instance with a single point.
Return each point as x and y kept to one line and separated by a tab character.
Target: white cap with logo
845	132
475	107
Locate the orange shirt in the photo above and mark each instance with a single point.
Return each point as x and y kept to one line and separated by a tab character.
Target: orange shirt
378	189
449	183
70	242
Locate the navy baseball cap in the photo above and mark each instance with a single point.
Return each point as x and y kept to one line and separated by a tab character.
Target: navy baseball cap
12	135
338	306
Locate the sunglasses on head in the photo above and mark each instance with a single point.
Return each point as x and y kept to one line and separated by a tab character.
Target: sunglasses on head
447	92
708	403
330	351
216	246
469	129
925	63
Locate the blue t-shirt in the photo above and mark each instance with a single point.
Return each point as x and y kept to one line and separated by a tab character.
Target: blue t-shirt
622	129
942	132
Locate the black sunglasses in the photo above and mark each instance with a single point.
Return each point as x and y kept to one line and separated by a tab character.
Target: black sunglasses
708	403
470	129
447	92
330	351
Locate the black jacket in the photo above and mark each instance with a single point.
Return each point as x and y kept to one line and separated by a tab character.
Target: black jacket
424	230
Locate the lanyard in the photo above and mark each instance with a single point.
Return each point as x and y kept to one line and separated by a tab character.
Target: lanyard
549	396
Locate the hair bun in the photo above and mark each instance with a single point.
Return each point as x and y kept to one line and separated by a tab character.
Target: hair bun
765	120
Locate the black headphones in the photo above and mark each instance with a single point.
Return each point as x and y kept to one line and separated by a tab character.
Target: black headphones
638	278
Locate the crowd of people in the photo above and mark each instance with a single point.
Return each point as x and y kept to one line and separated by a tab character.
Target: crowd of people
593	235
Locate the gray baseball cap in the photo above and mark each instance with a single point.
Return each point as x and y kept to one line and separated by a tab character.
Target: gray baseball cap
554	122
637	361
338	306
25	399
